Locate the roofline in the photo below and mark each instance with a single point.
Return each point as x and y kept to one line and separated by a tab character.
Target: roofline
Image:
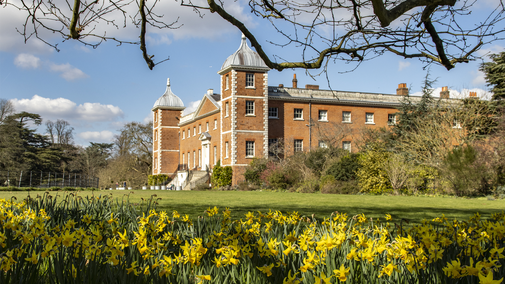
167	107
336	101
242	68
198	117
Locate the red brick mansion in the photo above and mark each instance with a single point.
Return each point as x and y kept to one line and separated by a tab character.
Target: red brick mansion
248	118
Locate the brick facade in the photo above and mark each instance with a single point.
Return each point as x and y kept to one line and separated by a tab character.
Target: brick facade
248	115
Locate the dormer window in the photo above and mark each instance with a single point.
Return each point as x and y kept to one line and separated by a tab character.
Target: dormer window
249	80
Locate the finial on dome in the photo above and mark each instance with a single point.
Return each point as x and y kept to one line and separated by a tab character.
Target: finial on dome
168	82
243	36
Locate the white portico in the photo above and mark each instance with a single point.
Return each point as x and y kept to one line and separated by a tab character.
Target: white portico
205	138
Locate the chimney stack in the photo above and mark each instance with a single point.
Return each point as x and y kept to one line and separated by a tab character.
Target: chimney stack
473	95
312	87
281	85
210	92
295	82
444	94
402	90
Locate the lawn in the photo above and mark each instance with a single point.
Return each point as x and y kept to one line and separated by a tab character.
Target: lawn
411	208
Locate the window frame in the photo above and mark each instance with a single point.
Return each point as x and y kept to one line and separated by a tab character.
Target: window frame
199	128
271	143
215	123
226	149
271	110
325	118
249	149
227	82
295	114
215	155
249	108
194	130
183	135
207	124
346	143
367	116
226	109
322	144
298	148
344	120
392	121
249	80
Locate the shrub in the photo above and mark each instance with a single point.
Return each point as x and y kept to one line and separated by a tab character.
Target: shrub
276	179
201	187
308	186
158	179
221	176
253	171
344	169
461	171
371	175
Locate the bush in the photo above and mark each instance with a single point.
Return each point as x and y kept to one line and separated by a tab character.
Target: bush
308	186
371	175
254	170
201	187
277	179
221	176
157	179
345	169
460	170
331	186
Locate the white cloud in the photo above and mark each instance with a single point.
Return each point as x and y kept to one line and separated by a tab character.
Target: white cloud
68	72
192	25
479	78
402	65
191	108
27	61
148	118
66	109
11	40
490	50
98	112
104	136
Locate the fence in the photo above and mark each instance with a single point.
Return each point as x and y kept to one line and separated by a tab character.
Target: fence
46	179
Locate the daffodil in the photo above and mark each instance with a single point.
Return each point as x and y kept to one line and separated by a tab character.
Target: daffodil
341	273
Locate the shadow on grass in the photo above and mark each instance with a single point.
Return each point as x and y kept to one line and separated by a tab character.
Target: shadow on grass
411	215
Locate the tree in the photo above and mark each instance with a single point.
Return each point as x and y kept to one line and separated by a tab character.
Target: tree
136	139
6	109
60	132
444	32
22	149
494	73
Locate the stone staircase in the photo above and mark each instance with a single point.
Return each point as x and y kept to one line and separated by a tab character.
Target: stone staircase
195	178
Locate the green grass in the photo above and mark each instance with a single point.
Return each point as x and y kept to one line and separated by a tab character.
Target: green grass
411	208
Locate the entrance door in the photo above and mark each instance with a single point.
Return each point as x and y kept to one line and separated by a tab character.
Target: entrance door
205	156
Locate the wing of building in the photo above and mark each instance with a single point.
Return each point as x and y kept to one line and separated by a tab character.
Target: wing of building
250	119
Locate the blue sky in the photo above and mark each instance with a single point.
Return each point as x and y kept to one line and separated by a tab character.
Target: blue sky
99	90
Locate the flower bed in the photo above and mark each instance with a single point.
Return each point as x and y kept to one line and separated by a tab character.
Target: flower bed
98	240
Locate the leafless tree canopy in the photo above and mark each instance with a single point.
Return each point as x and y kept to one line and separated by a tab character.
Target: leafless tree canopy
444	32
60	132
6	109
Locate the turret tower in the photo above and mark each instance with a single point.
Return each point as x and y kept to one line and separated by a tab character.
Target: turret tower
167	111
244	109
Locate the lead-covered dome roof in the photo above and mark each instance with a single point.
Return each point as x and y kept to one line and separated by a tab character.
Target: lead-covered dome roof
244	57
169	100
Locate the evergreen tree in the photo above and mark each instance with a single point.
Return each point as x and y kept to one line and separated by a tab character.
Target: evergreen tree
22	149
495	75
